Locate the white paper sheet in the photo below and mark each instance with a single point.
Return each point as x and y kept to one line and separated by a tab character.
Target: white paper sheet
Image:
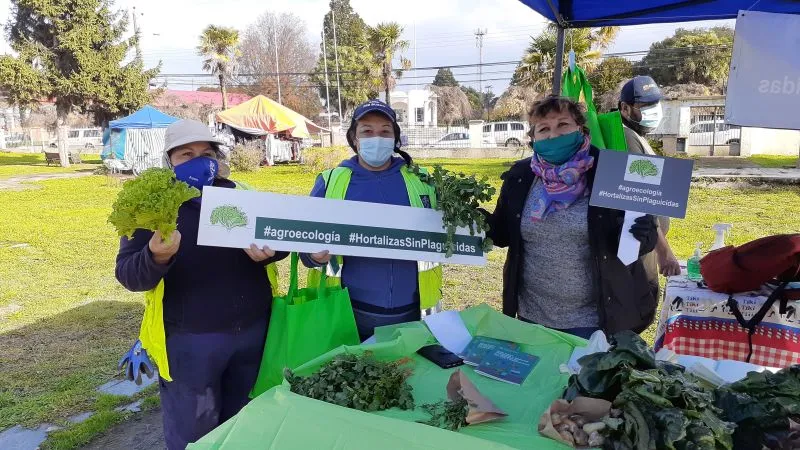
628	251
448	328
597	343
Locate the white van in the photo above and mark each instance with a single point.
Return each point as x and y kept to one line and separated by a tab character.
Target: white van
508	134
85	137
88	138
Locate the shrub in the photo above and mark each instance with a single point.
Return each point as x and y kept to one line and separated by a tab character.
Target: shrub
657	145
317	159
247	157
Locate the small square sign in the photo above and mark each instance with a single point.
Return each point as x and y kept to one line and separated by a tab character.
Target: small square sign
644	169
647	184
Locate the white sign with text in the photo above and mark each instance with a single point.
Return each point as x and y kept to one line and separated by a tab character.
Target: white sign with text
237	218
764	81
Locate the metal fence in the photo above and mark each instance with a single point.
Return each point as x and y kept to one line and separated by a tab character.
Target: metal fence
455	136
708	129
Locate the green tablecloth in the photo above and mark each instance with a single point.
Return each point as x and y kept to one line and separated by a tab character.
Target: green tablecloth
279	419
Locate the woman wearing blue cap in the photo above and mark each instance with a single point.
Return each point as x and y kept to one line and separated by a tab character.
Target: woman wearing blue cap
382	291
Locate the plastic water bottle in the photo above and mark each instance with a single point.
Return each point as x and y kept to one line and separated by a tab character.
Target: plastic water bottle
693	264
722	230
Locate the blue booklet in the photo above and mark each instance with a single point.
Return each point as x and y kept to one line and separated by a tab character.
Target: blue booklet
479	346
510	366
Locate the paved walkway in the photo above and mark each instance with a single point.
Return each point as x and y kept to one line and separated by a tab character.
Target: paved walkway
723	162
23	182
757	175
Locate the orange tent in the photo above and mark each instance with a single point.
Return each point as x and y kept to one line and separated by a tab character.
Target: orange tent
261	115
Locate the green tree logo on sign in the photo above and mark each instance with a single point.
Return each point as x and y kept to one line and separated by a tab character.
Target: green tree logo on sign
643	168
228	216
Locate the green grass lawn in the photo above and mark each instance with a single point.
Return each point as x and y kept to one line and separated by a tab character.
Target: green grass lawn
774	161
17	164
65	321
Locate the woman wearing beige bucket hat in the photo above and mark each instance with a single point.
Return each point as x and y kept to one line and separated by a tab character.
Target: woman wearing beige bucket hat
216	301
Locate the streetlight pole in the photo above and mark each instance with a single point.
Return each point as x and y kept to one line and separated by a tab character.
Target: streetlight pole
336	52
137	34
327	84
277	67
488	107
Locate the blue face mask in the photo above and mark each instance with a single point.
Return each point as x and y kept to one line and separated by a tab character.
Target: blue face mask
197	172
375	151
559	150
651	117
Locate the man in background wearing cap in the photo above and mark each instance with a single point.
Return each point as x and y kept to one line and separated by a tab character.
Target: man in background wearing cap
207	308
640	108
382	291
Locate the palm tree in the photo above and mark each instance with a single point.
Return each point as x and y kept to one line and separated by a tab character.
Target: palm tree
384	42
220	48
537	65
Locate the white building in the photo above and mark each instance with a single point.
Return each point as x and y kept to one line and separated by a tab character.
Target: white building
415	108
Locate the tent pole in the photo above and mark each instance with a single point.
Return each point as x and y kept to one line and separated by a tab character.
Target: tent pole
559	62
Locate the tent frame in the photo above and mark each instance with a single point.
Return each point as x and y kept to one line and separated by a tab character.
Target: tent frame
559	62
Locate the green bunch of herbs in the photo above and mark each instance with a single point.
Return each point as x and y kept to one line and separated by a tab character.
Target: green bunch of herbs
458	197
359	382
447	414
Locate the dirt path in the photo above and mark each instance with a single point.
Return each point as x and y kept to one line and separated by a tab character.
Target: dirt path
724	162
141	433
23	182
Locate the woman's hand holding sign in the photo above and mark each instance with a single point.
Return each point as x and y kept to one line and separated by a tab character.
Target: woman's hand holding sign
259	254
323	257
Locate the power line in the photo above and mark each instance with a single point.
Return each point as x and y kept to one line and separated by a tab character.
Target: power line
659	52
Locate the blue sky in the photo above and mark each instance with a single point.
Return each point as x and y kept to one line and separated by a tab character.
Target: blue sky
441	29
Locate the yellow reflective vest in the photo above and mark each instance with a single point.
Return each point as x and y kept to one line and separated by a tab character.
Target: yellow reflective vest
151	332
429	274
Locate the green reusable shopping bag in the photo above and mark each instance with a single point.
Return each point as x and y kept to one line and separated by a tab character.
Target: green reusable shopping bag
606	129
304	324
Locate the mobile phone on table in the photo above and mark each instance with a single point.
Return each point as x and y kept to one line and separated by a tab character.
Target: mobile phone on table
440	356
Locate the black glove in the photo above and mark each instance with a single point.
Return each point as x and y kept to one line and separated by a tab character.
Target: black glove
645	230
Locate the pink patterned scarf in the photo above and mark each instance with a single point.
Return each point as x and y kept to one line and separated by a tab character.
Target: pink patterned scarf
563	184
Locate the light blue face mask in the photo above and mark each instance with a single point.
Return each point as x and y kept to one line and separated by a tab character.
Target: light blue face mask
651	117
375	151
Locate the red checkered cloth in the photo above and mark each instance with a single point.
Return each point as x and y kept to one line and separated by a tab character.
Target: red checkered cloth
715	338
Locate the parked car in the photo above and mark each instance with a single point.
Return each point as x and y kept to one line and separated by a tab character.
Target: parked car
704	133
509	134
88	138
457	140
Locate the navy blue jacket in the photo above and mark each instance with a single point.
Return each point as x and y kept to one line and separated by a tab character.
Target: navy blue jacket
206	289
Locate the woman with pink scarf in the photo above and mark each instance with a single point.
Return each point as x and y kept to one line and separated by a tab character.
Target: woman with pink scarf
562	269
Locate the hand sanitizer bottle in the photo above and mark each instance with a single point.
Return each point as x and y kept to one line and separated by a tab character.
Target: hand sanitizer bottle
693	264
722	230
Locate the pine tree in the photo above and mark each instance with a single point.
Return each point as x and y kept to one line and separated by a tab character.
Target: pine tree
73	52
